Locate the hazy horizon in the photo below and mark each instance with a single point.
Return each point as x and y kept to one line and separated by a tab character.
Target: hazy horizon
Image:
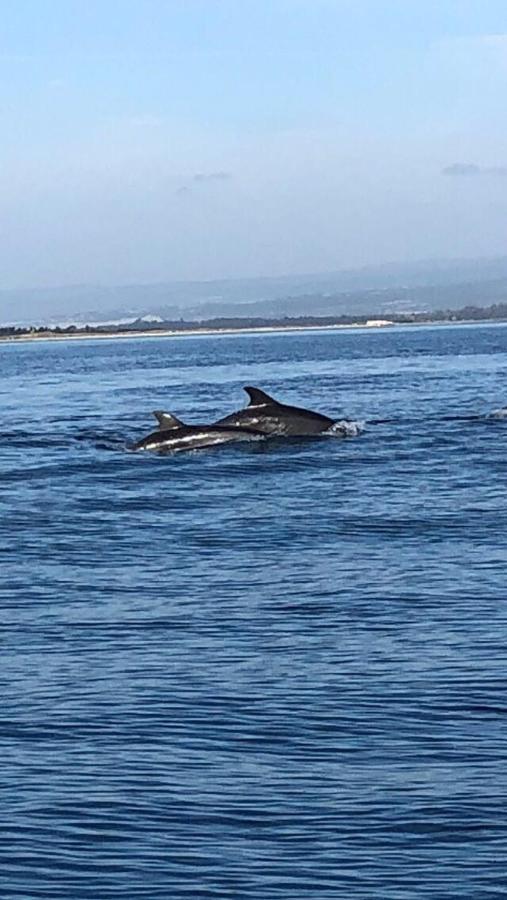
203	140
425	284
389	264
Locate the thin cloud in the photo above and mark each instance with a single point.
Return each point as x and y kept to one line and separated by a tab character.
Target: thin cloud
472	170
203	177
495	170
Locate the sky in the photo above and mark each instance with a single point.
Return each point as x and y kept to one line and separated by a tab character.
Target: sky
158	140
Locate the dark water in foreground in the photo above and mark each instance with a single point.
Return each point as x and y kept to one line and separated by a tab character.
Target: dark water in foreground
263	671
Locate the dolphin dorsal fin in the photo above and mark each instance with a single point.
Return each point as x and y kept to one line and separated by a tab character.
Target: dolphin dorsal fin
258	397
166	421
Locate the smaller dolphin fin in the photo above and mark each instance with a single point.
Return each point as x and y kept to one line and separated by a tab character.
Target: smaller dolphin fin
258	397
166	421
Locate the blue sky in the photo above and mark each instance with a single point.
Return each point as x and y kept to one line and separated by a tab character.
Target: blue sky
147	140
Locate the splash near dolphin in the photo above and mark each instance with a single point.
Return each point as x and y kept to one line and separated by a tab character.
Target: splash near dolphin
174	436
267	415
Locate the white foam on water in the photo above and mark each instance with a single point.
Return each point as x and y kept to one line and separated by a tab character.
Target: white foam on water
345	428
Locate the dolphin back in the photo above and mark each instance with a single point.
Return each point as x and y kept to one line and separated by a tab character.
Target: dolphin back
268	415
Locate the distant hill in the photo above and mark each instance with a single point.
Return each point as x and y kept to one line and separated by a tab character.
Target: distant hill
393	287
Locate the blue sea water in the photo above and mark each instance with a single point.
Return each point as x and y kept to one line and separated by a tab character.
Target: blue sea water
274	670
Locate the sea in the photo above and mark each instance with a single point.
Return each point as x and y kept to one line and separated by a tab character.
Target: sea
268	671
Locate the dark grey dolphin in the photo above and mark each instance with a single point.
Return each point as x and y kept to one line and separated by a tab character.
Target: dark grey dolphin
173	435
265	414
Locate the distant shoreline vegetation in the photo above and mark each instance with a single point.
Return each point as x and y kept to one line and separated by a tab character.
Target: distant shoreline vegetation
495	313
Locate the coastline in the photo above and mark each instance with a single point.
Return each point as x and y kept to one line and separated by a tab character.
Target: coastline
261	329
191	332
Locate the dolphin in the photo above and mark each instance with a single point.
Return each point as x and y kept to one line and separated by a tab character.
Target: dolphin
267	415
173	435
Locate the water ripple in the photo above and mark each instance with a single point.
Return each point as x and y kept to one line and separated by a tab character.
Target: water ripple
271	671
